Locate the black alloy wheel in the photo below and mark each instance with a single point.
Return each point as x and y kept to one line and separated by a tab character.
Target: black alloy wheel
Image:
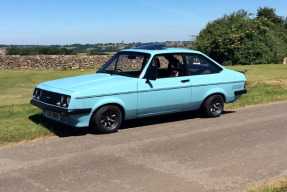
213	106
107	119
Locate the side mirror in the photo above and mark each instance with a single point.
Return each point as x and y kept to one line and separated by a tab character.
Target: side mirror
151	73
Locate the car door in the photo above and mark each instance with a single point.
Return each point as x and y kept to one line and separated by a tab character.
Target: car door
170	91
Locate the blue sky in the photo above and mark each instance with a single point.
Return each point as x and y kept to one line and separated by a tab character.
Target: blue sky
47	22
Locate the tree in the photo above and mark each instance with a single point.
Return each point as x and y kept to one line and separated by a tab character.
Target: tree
52	50
239	38
13	51
269	13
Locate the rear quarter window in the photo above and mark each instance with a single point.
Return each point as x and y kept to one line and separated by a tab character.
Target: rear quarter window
200	65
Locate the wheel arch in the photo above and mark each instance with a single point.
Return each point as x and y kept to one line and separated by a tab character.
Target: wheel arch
218	93
115	104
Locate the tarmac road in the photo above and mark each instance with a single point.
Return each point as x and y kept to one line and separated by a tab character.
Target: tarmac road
179	152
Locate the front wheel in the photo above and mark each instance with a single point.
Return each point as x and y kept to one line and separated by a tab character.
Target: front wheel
213	106
107	119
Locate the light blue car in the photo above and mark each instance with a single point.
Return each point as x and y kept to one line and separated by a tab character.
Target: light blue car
144	81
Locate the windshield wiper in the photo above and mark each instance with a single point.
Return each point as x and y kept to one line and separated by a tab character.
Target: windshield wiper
112	72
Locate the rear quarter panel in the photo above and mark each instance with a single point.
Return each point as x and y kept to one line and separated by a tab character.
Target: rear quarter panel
224	83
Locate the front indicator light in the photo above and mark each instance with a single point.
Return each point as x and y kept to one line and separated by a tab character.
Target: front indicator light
63	113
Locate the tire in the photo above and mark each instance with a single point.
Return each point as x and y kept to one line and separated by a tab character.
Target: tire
213	106
107	119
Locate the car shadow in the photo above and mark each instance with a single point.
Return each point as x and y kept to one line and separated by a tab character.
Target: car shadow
159	119
62	130
227	112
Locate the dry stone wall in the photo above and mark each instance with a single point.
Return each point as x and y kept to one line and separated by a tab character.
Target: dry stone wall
8	62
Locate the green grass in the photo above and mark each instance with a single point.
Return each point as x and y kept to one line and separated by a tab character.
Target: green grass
265	84
262	73
277	185
16	125
16	87
260	94
21	122
282	188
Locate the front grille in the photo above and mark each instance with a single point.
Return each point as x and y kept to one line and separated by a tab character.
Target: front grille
50	97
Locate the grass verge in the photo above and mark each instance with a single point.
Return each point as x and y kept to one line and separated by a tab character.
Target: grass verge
16	124
265	84
277	185
19	120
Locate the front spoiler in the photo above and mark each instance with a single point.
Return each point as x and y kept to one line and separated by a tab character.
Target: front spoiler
58	109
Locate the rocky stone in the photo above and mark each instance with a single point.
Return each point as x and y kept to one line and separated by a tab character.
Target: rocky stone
8	62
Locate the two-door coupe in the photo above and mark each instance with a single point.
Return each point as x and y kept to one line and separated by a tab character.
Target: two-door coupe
144	81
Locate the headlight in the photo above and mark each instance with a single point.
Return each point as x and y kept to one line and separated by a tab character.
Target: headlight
68	100
52	98
64	101
37	93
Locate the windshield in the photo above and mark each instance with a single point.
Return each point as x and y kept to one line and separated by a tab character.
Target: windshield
128	64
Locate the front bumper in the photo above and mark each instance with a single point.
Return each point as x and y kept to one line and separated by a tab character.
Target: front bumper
59	109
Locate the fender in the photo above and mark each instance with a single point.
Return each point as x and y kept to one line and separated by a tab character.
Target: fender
128	104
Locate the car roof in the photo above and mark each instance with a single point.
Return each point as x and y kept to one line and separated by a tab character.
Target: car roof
159	49
155	49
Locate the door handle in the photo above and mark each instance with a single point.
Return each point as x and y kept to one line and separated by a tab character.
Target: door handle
185	80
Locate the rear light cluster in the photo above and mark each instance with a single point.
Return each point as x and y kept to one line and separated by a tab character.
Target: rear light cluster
245	84
60	100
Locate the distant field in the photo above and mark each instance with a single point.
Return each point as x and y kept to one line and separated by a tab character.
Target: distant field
21	122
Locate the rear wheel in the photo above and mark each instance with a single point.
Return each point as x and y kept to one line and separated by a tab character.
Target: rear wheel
213	106
107	119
